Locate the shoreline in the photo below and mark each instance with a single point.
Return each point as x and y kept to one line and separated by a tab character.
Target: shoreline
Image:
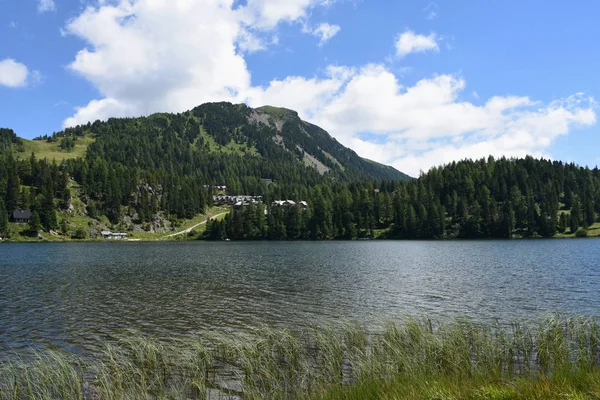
406	359
181	238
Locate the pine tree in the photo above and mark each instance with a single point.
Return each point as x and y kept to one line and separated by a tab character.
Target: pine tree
563	222
12	187
507	221
3	219
575	215
350	231
590	215
47	211
34	224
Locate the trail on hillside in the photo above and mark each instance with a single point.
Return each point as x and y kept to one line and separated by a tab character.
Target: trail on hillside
188	230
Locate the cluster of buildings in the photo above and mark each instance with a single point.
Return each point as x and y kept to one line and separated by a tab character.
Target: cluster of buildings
289	203
113	236
236	201
220	188
243	201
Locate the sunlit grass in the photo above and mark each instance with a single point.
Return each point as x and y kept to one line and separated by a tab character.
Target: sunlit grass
51	151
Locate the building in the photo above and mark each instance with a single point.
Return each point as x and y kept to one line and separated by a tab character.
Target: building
290	203
114	236
284	203
236	201
21	216
219	188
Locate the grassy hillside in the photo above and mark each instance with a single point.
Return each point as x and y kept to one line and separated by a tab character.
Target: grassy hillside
52	150
73	221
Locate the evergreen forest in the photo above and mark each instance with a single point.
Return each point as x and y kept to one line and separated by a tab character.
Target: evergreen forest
166	167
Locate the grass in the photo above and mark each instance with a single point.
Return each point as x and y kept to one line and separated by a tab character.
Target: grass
279	112
196	220
411	359
592	231
77	221
51	151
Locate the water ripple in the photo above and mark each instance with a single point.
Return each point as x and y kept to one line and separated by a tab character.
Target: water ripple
74	296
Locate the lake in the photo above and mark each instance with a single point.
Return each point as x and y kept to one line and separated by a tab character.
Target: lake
74	296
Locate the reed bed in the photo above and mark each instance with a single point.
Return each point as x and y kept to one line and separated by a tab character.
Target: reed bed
558	358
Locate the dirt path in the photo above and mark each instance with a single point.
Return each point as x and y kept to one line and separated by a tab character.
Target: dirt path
188	230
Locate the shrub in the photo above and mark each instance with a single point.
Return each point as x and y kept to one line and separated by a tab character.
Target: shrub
581	232
80	233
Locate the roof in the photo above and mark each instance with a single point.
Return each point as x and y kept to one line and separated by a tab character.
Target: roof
22	214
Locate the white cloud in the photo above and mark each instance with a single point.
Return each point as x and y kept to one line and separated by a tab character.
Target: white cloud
46	6
426	124
12	73
431	11
159	56
171	55
266	14
410	42
250	43
325	32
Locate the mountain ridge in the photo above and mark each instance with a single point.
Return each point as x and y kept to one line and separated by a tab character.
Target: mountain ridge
163	174
272	133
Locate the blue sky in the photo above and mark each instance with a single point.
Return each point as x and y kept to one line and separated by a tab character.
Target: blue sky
409	83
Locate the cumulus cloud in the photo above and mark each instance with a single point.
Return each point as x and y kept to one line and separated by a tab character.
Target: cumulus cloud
410	42
171	55
159	56
46	6
266	14
12	73
325	32
426	124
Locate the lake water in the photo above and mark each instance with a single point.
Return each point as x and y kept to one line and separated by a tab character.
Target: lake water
74	296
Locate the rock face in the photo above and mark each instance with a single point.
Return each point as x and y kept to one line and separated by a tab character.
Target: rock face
313	145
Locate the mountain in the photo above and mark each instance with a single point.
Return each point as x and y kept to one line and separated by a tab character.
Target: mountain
153	172
227	144
152	176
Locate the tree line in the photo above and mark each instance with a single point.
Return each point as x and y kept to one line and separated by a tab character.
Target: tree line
141	167
31	184
486	198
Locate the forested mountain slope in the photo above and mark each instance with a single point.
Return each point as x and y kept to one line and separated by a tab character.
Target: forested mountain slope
150	173
490	198
233	145
141	171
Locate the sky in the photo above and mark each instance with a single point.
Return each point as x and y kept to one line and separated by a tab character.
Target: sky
412	84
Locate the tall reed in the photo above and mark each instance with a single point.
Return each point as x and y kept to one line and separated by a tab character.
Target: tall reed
418	358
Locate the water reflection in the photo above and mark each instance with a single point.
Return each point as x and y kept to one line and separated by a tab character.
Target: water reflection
73	296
